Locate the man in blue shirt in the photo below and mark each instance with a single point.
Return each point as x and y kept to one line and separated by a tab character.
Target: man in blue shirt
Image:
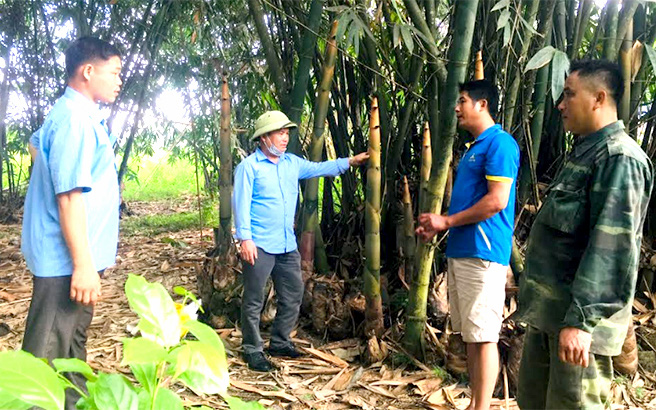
264	202
70	223
480	224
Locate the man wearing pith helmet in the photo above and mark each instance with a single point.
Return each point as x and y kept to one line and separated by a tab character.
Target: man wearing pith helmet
264	203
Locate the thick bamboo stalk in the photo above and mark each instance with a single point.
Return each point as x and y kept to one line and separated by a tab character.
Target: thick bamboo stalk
225	173
310	198
625	62
582	21
459	51
302	78
512	94
537	93
610	33
374	307
273	61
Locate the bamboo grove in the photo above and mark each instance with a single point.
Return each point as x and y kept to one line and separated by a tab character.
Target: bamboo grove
356	75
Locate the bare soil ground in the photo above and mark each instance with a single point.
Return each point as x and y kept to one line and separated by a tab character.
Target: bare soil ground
329	377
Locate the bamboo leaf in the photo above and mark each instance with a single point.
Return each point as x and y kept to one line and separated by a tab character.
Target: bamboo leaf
395	36
559	70
529	27
503	20
30	380
342	24
652	56
506	35
540	59
407	39
236	403
74	366
501	5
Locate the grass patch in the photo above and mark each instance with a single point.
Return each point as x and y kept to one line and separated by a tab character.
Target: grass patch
158	177
155	224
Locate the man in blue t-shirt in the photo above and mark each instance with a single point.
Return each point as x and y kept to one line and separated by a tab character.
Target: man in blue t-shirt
480	224
70	223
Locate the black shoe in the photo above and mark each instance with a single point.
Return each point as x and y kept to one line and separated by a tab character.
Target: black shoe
287	351
256	361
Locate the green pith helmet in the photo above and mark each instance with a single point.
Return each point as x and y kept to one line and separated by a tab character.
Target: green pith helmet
271	121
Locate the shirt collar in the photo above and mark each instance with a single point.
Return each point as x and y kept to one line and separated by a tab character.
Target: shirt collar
489	131
83	103
583	144
259	155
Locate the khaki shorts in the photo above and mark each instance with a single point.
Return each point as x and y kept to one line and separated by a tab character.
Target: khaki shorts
477	292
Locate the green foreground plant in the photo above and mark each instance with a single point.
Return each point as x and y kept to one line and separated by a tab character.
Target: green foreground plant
157	359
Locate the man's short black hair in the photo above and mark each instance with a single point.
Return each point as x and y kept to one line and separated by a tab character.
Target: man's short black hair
87	49
603	71
482	90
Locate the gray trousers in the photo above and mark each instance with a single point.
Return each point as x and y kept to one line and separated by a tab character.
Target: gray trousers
57	327
285	270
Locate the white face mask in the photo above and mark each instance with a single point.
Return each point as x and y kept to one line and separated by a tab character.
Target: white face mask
273	150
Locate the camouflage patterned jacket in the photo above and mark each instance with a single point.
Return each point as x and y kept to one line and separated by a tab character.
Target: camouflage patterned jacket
584	247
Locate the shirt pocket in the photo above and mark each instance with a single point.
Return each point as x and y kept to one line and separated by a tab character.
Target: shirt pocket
564	209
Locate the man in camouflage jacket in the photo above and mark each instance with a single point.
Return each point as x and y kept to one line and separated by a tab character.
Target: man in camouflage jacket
583	250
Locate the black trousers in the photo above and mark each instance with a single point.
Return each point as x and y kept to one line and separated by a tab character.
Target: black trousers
57	327
285	270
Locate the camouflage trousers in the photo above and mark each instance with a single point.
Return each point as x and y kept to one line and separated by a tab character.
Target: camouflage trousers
545	382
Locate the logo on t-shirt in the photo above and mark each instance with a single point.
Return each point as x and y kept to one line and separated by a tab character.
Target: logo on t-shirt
472	158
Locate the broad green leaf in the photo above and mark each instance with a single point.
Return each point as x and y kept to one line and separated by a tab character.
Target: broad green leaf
180	359
114	392
145	401
559	70
166	399
159	319
208	370
502	4
146	375
540	59
30	380
407	39
74	366
652	56
205	334
236	403
179	290
10	402
503	20
142	351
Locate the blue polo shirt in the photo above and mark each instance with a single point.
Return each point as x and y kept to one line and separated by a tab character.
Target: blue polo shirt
74	150
265	196
493	156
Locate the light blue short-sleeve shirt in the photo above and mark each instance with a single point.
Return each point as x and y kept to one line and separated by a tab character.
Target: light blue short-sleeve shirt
74	151
265	196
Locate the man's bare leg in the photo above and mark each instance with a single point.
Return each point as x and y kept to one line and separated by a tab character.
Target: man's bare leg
471	370
483	373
